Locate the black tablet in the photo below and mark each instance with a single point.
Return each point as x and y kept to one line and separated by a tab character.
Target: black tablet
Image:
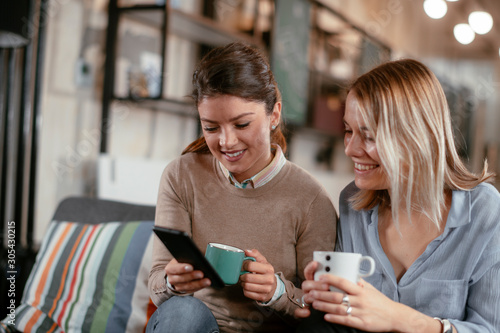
184	250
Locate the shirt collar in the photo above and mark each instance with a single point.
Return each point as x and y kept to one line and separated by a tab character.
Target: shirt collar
263	176
460	210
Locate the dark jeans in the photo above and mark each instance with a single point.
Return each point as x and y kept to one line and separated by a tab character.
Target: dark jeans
317	324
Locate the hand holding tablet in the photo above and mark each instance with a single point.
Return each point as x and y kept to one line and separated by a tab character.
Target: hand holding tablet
184	250
222	263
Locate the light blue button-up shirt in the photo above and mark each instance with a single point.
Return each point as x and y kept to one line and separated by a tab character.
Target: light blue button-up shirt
458	275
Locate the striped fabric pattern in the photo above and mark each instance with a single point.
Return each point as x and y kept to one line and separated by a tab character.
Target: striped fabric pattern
89	278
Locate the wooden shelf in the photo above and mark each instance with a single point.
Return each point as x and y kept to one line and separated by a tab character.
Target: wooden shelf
148	15
141	7
196	28
177	107
205	31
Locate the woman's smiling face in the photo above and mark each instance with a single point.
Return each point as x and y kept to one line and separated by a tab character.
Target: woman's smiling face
360	146
237	133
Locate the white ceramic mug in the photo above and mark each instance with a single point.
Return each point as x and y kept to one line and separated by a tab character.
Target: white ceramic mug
343	264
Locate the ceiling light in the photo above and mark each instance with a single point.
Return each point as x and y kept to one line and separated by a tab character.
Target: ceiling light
480	22
464	33
435	9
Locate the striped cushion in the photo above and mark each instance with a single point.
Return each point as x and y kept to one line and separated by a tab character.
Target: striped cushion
89	278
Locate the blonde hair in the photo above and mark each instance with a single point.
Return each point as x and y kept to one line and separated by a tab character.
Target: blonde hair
403	104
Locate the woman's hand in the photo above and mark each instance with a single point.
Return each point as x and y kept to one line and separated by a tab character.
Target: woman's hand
370	309
311	285
184	279
260	283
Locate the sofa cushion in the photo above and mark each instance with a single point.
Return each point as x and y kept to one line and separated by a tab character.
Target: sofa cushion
89	278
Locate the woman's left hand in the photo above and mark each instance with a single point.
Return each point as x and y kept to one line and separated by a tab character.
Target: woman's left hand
370	310
260	283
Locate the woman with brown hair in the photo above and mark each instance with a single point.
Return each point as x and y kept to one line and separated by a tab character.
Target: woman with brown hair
430	224
234	186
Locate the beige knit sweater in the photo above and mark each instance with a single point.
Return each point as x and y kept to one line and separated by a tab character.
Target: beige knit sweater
286	220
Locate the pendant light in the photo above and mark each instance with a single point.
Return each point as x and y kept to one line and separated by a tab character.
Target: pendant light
481	22
464	33
435	9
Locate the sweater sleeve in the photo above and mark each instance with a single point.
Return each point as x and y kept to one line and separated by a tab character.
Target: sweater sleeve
316	233
171	212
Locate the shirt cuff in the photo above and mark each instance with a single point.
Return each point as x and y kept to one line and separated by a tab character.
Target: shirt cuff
280	290
172	289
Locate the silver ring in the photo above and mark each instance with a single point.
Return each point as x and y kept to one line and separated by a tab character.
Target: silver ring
345	301
303	303
348	310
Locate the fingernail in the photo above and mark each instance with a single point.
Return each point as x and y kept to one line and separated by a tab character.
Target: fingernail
188	268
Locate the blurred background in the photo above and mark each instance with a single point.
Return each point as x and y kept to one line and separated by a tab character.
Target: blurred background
92	92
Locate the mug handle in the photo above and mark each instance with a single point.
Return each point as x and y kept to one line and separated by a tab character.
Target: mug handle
372	266
247	258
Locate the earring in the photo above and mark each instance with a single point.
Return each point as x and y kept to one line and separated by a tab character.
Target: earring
273	127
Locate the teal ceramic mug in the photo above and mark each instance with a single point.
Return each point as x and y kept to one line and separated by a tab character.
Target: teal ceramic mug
227	261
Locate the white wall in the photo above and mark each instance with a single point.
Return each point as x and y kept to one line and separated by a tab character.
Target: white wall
69	113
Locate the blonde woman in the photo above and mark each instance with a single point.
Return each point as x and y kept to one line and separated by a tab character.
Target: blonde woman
431	225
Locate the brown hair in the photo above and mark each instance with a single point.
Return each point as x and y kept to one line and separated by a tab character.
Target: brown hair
403	104
238	70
